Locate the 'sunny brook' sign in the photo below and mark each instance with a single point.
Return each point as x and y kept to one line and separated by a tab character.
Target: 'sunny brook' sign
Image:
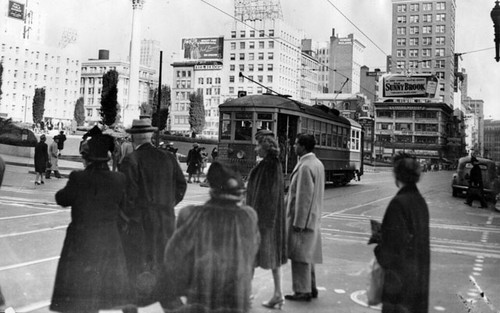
413	86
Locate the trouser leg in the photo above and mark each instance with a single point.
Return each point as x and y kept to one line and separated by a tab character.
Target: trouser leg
301	277
47	174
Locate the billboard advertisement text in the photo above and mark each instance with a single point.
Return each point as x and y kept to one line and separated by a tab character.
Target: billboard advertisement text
409	86
203	48
16	10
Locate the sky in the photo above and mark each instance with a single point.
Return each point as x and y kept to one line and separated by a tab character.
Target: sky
106	24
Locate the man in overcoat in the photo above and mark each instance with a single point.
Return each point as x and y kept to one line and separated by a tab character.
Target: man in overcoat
155	184
304	206
53	159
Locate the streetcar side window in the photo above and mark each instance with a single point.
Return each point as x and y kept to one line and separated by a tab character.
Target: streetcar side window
329	135
323	134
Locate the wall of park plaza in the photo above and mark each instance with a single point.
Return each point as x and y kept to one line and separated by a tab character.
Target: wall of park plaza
419	127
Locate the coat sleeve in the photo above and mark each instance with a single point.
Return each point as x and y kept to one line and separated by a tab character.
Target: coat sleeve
180	181
395	237
130	169
67	196
304	198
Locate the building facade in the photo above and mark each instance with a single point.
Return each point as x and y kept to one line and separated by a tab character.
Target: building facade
309	85
29	64
346	59
475	125
423	41
203	77
492	139
150	54
92	72
266	51
419	128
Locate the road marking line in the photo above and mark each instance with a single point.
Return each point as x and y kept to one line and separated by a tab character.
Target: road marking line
33	307
14	266
32	231
29	215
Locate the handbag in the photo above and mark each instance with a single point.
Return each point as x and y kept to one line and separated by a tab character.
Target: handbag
374	292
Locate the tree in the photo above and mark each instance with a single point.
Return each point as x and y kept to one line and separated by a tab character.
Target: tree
196	113
146	109
109	102
164	107
38	105
79	113
1	72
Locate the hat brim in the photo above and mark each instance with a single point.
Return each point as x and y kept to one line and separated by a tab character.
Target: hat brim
139	130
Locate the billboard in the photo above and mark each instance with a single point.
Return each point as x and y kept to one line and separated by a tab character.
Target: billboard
413	86
203	48
16	10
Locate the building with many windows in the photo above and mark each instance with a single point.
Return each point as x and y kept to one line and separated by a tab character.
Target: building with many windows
423	41
29	64
346	59
474	125
421	128
92	72
309	85
492	139
266	51
201	76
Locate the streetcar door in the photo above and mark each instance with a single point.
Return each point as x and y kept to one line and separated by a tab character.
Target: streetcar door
287	131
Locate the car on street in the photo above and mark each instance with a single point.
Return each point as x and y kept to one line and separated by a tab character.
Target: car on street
491	183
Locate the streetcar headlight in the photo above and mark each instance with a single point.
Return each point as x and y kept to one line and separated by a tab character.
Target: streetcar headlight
240	154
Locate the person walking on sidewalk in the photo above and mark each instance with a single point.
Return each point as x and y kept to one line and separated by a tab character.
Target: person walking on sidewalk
41	160
476	190
304	206
53	159
61	138
194	160
155	184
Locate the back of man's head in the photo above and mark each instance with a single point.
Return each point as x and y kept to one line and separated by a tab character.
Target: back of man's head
140	138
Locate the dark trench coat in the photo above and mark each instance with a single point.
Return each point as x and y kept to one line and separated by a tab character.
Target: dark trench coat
41	157
404	253
92	272
155	184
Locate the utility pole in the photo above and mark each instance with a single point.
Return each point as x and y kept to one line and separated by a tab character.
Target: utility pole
158	107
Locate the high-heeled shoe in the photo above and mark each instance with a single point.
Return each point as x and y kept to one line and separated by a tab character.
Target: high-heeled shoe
273	303
37	183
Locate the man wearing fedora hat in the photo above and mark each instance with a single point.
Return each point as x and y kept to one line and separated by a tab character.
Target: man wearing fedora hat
155	184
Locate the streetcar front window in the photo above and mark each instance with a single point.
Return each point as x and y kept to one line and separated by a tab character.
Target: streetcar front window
225	130
243	130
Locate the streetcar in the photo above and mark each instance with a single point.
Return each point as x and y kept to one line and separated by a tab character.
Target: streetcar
339	140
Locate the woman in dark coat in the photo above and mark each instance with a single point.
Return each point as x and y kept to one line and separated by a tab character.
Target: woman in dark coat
210	257
92	273
194	160
265	194
404	251
41	159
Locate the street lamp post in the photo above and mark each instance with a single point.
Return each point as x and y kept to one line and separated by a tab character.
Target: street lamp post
495	16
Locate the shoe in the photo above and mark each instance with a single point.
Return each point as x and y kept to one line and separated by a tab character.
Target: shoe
42	182
189	182
299	297
273	303
314	293
37	183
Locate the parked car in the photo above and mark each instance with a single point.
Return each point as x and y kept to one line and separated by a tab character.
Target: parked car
491	183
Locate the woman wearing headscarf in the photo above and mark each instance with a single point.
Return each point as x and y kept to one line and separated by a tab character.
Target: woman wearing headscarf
92	273
210	257
265	194
404	252
41	159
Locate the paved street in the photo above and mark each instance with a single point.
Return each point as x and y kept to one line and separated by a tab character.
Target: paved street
465	242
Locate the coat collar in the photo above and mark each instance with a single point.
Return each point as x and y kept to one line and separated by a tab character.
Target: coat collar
145	146
301	161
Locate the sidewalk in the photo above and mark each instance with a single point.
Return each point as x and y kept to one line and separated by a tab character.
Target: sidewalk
65	166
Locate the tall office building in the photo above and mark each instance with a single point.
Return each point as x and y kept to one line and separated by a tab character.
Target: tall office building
346	59
150	54
29	64
268	52
423	41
